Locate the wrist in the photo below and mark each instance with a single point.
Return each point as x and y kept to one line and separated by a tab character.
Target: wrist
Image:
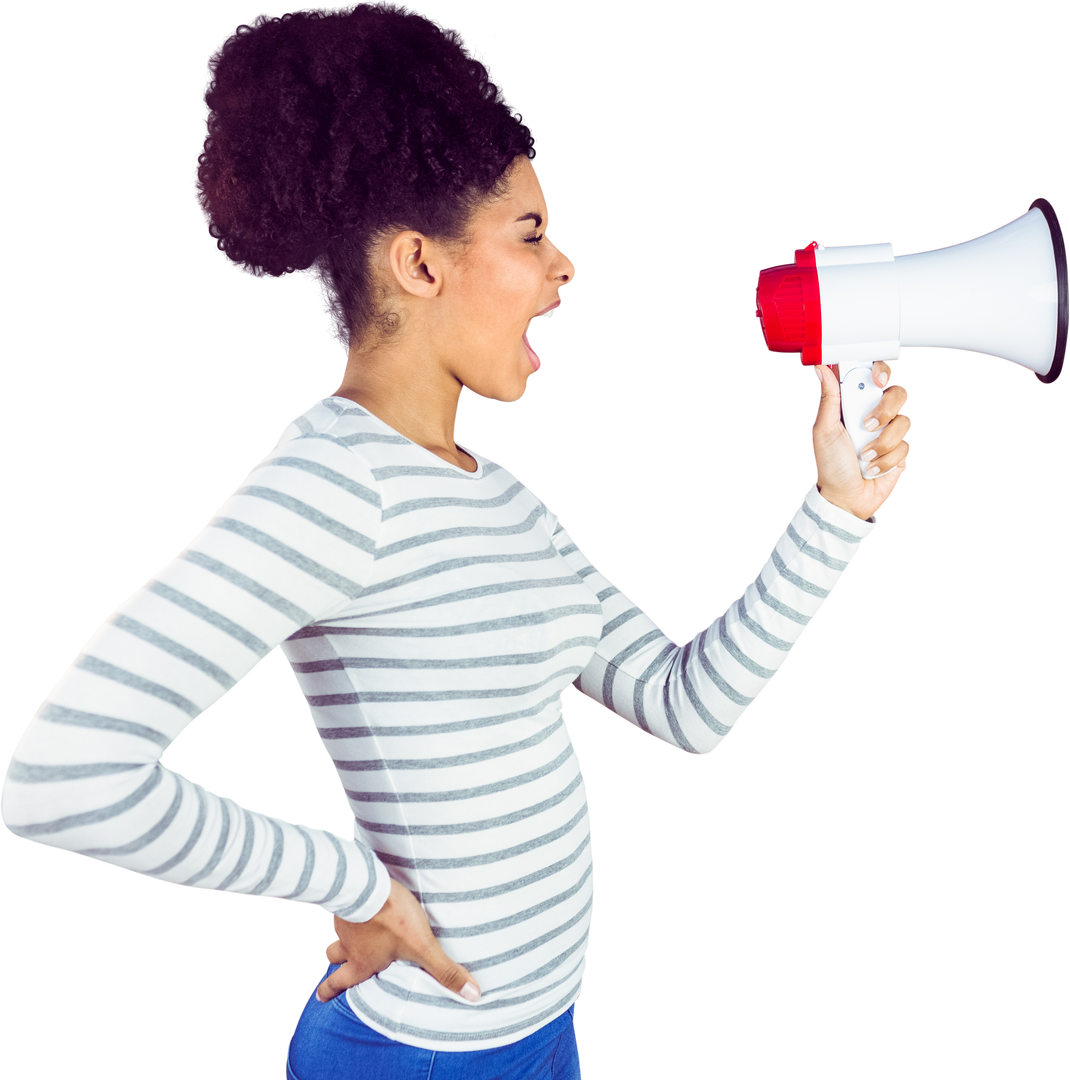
838	500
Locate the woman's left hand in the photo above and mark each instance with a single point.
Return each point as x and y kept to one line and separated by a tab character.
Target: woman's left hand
839	478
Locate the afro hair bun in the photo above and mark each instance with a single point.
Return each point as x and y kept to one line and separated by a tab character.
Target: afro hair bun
327	127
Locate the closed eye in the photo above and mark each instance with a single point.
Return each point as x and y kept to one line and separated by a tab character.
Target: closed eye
536	239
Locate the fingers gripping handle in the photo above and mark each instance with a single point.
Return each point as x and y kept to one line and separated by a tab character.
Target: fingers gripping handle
859	396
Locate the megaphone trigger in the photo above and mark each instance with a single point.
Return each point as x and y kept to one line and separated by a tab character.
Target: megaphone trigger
859	396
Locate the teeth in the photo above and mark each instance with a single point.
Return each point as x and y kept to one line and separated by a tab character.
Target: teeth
550	313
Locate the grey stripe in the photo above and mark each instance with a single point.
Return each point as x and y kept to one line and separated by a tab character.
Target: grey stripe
635	646
360	438
357	696
619	621
718	679
498	999
739	656
458	1036
509	886
758	631
243	858
340	869
388	472
778	606
365	494
411	505
188	656
392	731
310	514
303	425
505	660
640	684
815	553
105	670
674	724
605	594
213	618
463	793
276	859
568	549
220	847
92	817
59	714
488	857
341	405
585	572
480	592
254	588
436	536
705	715
321	573
548	552
147	837
471	826
24	773
194	836
550	968
306	870
385	764
795	579
512	920
821	523
613	666
369	888
531	946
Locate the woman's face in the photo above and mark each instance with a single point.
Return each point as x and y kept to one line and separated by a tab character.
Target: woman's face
508	274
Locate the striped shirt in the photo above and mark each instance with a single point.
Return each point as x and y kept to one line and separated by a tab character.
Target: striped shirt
433	618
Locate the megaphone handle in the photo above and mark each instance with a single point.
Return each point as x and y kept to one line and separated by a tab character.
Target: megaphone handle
859	396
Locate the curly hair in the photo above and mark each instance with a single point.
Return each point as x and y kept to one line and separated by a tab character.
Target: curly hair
326	129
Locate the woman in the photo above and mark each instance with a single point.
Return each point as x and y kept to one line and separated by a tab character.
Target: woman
432	608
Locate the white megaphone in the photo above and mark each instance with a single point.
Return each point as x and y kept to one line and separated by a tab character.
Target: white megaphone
1004	293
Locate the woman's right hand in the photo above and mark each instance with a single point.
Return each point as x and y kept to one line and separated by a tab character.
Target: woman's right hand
399	932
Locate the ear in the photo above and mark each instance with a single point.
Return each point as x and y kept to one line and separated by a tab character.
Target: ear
416	263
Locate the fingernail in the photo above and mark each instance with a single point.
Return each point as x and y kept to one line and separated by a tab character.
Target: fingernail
470	992
319	999
882	379
869	455
872	424
873	472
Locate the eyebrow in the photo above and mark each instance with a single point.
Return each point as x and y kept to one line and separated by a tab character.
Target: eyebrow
537	218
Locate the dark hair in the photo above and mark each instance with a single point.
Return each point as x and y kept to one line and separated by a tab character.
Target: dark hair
328	128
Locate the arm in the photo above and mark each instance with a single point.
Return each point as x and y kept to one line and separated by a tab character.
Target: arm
289	548
691	696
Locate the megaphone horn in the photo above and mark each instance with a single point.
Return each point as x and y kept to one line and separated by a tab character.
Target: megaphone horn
1004	293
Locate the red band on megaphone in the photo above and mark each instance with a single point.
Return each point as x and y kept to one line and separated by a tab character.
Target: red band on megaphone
789	306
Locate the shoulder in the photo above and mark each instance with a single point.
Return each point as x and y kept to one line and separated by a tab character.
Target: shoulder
325	449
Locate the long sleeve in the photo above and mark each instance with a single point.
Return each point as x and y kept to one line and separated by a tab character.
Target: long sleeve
293	545
433	618
691	695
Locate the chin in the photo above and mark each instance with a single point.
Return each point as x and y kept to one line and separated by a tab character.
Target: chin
500	395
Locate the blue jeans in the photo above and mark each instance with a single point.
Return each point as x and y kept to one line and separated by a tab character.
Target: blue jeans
332	1043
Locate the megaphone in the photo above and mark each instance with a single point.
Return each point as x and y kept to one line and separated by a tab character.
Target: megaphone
1004	293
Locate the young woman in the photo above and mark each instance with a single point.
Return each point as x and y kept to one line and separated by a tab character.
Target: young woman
432	607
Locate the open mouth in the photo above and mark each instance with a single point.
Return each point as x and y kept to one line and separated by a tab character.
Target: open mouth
537	361
533	356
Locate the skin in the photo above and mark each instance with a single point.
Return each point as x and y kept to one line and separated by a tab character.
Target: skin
463	324
464	308
839	478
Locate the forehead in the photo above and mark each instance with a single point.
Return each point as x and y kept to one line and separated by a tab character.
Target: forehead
522	196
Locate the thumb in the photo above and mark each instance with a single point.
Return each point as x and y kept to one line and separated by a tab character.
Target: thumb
450	974
827	424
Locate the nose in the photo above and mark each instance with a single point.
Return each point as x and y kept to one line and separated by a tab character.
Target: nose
561	270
